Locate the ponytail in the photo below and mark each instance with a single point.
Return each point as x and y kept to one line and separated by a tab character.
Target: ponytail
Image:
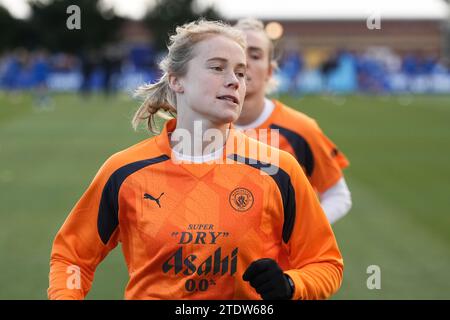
158	97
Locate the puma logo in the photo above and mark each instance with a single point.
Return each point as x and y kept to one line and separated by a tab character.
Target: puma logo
149	196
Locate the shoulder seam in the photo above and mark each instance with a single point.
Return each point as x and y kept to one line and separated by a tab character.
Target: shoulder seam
108	220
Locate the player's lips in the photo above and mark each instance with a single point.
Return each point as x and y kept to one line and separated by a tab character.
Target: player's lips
229	98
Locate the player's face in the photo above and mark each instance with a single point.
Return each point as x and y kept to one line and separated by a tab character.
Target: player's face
259	68
214	85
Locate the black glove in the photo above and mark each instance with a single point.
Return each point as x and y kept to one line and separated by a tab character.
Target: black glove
266	276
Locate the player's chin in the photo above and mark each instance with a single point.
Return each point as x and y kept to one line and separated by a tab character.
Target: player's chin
229	113
227	116
231	117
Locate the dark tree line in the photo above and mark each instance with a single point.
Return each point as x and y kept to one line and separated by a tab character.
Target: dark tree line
46	26
167	14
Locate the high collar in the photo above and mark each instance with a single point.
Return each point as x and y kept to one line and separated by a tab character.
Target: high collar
233	143
266	113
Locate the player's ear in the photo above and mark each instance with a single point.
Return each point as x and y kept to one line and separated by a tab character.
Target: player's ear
175	83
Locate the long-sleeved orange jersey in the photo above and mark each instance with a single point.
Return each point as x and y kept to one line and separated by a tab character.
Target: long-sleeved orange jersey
189	231
302	137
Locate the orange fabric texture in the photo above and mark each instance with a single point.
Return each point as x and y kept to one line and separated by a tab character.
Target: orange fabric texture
189	231
302	137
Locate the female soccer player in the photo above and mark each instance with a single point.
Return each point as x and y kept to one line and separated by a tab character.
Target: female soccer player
298	134
218	226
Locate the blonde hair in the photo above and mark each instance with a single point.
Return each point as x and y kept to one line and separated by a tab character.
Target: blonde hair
159	97
252	24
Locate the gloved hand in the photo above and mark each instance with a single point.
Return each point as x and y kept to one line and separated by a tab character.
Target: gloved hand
266	276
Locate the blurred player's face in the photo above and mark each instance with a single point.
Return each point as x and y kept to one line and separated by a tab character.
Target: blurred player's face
214	85
259	68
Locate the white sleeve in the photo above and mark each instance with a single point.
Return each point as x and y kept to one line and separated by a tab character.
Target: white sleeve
336	201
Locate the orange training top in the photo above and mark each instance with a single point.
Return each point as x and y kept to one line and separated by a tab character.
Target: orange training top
302	137
189	231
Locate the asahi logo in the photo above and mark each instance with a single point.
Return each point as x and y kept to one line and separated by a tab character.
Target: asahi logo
212	265
241	199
